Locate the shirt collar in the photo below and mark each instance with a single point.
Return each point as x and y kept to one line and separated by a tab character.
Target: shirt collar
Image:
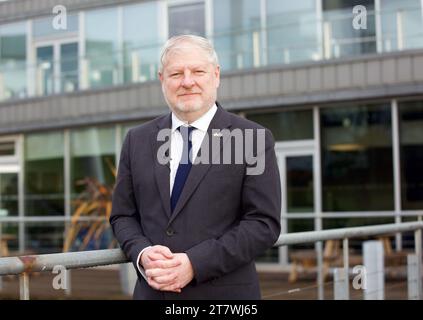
201	123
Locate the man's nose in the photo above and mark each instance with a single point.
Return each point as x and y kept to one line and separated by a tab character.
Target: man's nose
188	80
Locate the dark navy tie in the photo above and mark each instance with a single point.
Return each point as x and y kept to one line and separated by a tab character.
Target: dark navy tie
184	166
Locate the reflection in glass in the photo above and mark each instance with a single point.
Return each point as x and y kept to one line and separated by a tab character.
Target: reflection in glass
89	235
300	225
286	126
340	36
92	156
141	41
236	32
292	31
44	174
357	167
401	23
299	184
10	234
8	194
69	67
44	27
187	19
101	30
411	140
7	149
45	70
13	61
43	238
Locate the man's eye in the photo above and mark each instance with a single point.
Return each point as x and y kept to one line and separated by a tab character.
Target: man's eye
176	74
200	72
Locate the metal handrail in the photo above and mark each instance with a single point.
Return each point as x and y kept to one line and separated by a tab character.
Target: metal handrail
24	265
346	233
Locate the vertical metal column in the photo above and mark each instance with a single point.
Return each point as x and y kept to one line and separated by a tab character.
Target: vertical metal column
340	291
24	286
374	266
320	280
345	248
418	248
413	277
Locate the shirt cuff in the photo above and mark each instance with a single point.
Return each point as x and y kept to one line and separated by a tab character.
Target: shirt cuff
141	269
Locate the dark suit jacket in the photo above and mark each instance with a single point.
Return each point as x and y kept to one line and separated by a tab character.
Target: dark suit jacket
223	220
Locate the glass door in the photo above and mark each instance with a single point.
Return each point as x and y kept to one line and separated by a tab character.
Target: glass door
8	208
297	171
57	67
8	194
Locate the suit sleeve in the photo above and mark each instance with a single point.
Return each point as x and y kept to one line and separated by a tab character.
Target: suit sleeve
258	229
124	218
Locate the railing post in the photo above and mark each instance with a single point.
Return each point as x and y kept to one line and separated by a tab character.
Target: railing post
413	278
345	248
68	290
374	266
418	249
340	291
24	286
320	280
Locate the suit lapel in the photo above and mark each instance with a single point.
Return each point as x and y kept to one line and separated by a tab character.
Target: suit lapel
161	171
220	121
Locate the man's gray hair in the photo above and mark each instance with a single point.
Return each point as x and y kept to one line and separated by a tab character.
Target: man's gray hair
179	42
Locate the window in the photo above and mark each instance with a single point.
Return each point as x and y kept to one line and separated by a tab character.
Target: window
141	41
8	194
357	165
7	148
43	238
411	140
236	33
92	158
187	19
292	31
402	26
44	174
288	125
13	61
340	38
101	30
44	27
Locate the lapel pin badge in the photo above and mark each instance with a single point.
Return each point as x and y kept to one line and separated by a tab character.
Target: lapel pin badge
217	134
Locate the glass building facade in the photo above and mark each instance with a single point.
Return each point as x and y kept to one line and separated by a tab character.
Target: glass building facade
119	45
344	164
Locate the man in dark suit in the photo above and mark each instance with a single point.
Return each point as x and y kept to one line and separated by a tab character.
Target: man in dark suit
191	223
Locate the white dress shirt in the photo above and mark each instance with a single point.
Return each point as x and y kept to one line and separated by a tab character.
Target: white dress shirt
176	144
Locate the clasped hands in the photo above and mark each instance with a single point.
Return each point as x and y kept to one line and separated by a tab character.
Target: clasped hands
166	271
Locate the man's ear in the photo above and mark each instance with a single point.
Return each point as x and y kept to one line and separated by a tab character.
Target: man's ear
160	76
217	73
